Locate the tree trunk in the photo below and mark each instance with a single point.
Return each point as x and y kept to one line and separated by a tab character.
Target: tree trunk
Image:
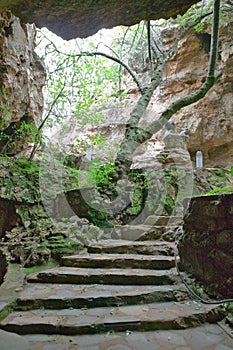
134	135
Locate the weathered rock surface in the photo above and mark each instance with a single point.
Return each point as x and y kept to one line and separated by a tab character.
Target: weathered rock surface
71	19
206	249
22	78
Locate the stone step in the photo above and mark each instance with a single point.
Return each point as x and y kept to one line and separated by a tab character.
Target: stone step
57	296
111	246
205	336
119	261
163	220
74	275
134	232
145	317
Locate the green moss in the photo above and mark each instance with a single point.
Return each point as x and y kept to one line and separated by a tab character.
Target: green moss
221	190
26	166
8	309
33	269
98	218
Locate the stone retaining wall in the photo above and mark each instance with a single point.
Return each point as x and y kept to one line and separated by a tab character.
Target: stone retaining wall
206	249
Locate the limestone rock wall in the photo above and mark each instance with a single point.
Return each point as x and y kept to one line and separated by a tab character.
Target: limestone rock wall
22	75
211	119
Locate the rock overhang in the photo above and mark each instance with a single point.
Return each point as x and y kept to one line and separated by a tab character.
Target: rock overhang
71	19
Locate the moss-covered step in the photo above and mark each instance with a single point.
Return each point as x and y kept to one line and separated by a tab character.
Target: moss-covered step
57	296
119	261
144	317
112	246
73	275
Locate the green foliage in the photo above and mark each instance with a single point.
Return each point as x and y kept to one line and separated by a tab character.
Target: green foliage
221	190
27	131
99	175
22	165
169	205
192	15
98	218
104	174
136	201
16	135
5	311
83	83
229	308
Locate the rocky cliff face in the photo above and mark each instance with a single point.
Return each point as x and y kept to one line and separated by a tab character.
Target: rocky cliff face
209	120
22	78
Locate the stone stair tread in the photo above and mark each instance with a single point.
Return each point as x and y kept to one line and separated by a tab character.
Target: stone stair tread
205	336
134	232
118	260
115	256
57	295
169	315
134	247
105	276
119	242
163	220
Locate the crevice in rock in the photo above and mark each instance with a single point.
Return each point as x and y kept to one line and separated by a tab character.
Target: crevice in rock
205	40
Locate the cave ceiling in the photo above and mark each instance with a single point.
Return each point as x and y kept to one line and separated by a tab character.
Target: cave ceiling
82	18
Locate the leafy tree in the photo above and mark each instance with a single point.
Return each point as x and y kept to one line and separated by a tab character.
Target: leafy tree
79	85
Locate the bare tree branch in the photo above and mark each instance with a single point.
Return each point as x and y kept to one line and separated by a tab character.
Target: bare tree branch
115	59
98	53
38	134
149	49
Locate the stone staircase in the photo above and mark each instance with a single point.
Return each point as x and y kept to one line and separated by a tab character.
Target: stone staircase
114	286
